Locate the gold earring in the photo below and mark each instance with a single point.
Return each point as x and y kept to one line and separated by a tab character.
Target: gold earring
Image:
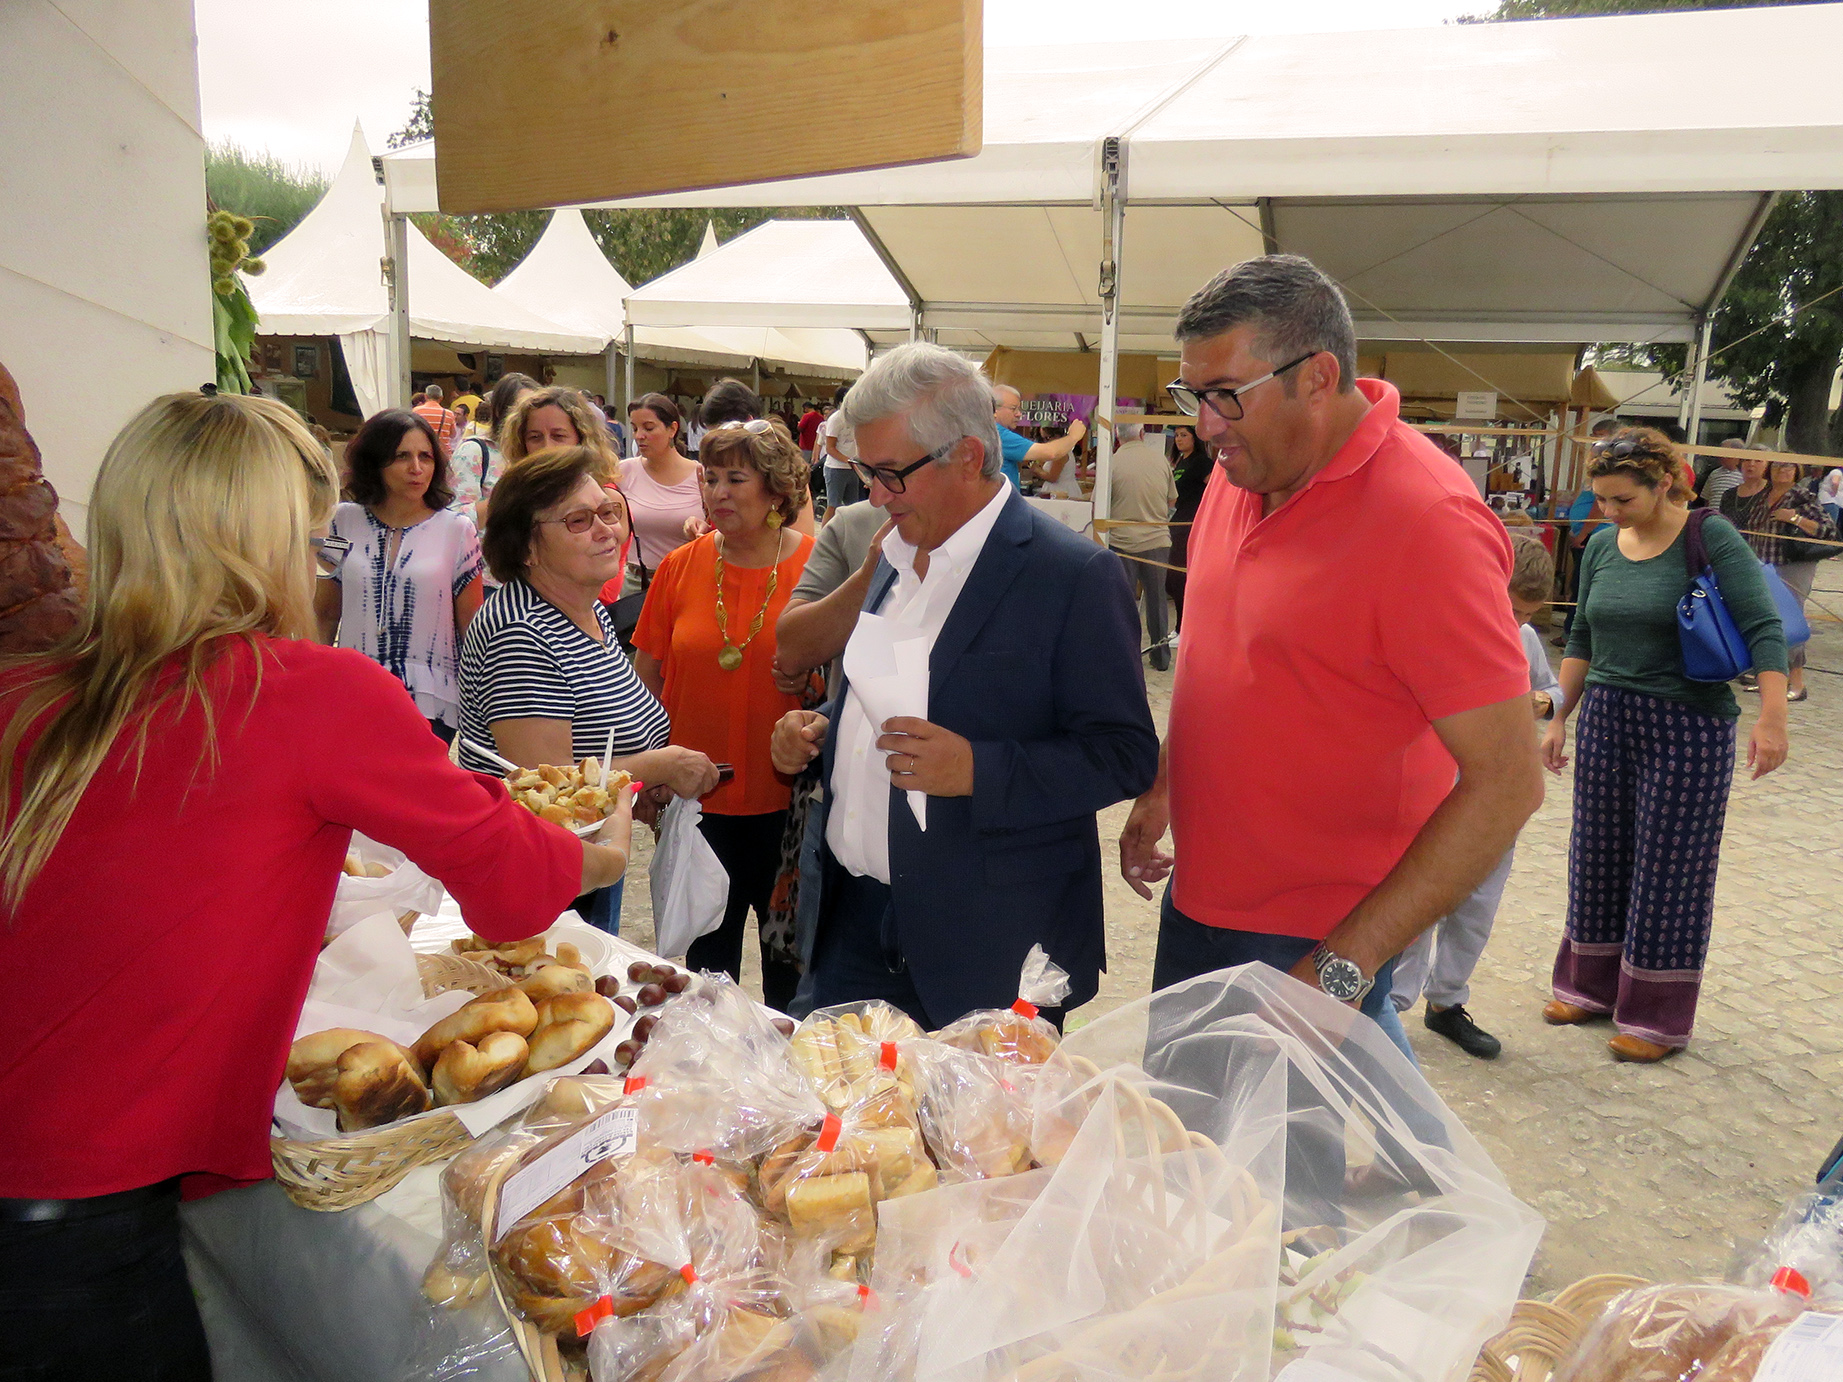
774	519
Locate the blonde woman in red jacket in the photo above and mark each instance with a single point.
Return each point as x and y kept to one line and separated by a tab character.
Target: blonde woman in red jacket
185	771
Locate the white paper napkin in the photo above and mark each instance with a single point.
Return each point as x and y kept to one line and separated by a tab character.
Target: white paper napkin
887	663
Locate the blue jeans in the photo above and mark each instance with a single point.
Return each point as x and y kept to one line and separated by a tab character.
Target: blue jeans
602	908
1188	948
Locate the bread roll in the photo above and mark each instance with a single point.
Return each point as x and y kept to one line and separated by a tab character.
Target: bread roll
551	980
378	1083
567	1026
835	1208
313	1062
502	1010
465	1072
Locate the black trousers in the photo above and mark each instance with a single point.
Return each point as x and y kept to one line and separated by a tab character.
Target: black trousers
749	848
104	1295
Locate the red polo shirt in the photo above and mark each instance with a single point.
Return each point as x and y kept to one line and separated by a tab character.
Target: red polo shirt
1319	643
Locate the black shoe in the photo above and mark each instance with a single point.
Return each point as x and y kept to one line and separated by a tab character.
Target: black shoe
1456	1025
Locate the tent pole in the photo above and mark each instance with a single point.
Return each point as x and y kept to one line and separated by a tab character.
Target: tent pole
1690	416
611	358
627	347
397	277
1113	227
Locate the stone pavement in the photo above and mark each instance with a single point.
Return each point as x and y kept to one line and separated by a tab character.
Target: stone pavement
1656	1170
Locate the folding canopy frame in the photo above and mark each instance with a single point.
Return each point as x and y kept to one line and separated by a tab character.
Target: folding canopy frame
1554	181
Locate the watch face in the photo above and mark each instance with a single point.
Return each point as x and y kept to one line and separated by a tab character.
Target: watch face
1341	978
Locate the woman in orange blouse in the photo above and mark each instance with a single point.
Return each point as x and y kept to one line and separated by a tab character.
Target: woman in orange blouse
705	647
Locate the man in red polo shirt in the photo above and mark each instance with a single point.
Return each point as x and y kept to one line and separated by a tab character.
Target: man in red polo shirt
1349	652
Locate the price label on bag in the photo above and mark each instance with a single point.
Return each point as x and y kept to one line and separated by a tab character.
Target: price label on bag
1810	1350
611	1137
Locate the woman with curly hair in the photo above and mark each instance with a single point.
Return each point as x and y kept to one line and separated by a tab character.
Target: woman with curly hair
408	576
1773	510
1655	751
705	647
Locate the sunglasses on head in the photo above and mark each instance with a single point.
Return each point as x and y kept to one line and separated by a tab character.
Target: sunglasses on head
1618	450
754	426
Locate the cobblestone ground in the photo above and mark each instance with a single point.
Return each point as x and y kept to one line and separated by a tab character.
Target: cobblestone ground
1656	1170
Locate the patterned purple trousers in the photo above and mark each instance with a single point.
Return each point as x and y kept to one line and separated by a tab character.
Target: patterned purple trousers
1651	781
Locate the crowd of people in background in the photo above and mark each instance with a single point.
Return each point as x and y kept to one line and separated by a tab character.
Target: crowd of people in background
898	692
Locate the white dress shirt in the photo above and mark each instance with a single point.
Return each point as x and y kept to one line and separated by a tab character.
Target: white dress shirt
857	821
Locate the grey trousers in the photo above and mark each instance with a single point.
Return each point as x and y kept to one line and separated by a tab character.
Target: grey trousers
1150	581
1440	961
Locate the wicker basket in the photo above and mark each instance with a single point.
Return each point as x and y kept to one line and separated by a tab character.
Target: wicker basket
340	1172
1541	1334
1160	1135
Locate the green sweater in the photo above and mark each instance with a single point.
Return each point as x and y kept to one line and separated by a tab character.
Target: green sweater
1626	623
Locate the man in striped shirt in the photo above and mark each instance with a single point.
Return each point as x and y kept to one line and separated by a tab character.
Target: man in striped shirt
430	410
1721	479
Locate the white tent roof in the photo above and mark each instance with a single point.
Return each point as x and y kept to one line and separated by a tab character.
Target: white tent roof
567	278
1553	180
820	273
323	280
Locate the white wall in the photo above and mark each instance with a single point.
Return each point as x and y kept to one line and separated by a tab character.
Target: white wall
104	277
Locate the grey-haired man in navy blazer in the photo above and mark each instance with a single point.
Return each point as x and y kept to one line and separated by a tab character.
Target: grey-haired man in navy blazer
947	846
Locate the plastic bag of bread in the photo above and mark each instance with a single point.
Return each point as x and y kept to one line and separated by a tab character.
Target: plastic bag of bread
716	1077
826	1179
1016	1034
1681	1333
974	1111
457	1277
844	1049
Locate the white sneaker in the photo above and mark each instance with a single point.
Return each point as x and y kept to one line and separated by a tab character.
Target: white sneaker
1171	640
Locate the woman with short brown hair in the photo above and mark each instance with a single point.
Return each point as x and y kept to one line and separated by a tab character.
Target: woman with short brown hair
705	646
1772	510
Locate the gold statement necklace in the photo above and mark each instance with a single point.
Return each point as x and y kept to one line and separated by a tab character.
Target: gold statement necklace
731	657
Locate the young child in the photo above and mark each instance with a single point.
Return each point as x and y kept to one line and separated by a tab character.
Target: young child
1442	958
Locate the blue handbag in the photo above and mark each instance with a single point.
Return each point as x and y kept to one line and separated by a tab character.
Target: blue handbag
1713	649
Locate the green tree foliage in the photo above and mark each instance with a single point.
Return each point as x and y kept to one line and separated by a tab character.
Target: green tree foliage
1779	333
642	242
274	196
1775	342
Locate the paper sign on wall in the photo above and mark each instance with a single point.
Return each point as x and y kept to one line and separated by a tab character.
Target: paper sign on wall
1476	403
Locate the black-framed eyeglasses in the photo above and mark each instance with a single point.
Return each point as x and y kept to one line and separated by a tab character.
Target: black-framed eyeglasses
896	481
1221	401
329	555
582	520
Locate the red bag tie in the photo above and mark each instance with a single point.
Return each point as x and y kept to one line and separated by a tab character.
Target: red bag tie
703	1158
689	1274
829	1131
867	1298
887	1058
586	1320
633	1084
1024	1008
1792	1282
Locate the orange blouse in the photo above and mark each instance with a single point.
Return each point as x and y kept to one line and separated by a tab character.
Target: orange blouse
729	716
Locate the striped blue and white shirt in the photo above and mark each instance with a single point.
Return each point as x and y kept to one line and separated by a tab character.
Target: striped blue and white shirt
524	659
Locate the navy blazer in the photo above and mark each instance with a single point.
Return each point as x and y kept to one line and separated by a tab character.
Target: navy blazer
1038	665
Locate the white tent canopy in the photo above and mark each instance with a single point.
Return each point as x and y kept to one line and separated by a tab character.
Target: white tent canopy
567	278
1555	181
323	279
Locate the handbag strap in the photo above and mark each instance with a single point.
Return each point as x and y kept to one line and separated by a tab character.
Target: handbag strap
1695	552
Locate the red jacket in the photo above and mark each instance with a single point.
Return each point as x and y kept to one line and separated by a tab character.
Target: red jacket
159	961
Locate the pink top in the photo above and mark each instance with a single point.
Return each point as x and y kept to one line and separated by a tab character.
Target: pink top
159	960
659	511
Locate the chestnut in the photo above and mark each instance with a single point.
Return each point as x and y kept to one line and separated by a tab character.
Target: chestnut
639	971
786	1026
625	1004
652	996
608	986
627	1052
596	1067
676	983
644	1027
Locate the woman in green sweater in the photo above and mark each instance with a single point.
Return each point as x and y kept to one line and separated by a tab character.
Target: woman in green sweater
1656	752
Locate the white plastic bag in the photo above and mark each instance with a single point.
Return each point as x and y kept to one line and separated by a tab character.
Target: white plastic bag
689	886
405	888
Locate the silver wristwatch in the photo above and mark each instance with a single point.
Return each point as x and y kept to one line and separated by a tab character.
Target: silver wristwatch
1338	976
